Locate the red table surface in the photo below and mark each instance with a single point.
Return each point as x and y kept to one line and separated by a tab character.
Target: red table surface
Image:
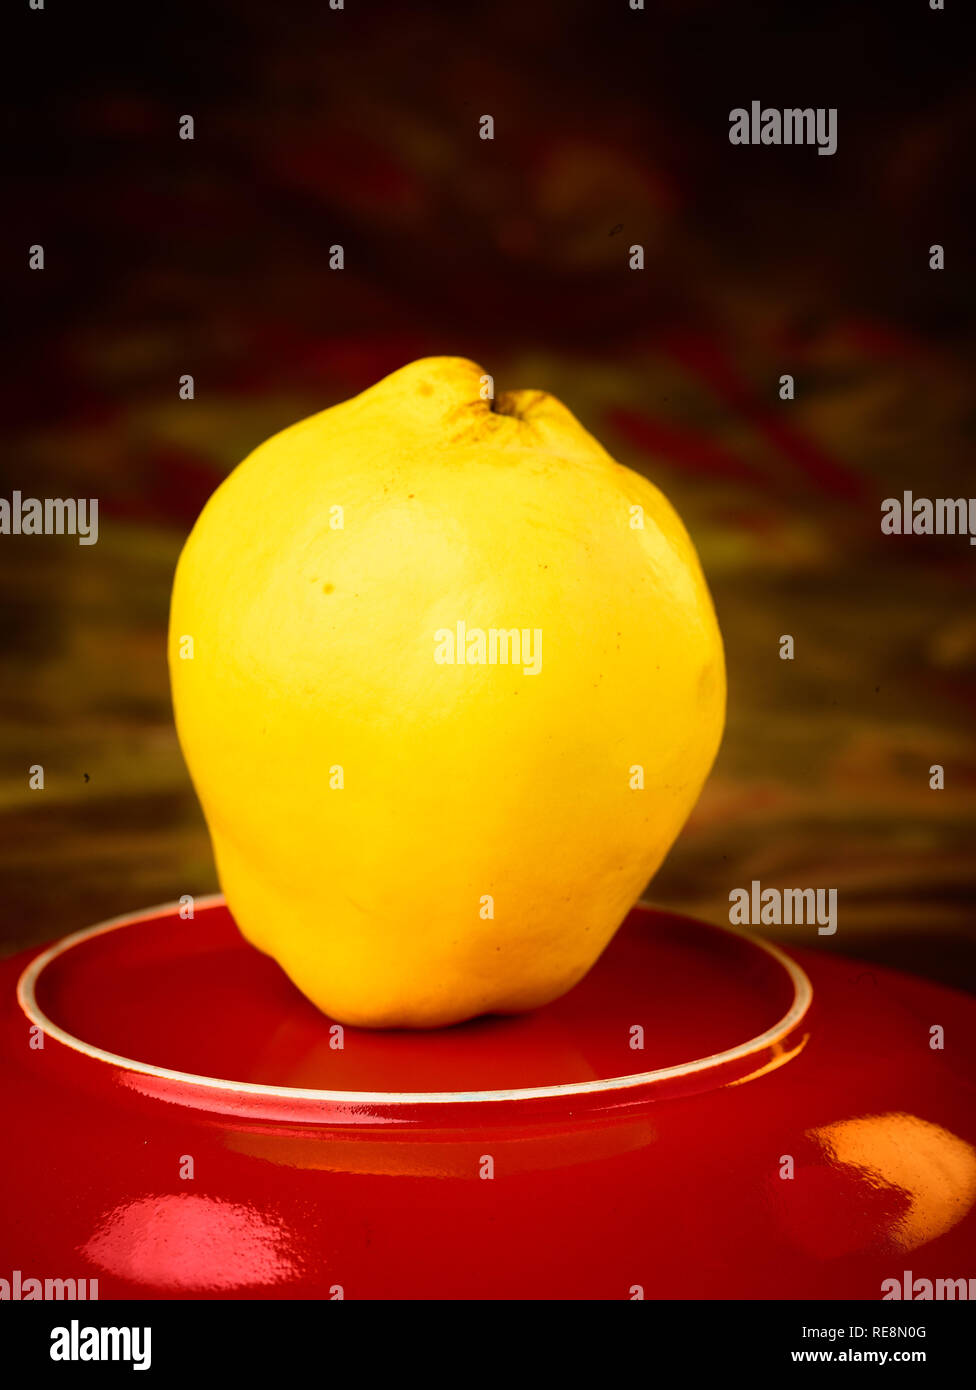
675	1190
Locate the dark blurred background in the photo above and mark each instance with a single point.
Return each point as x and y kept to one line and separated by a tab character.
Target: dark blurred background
360	126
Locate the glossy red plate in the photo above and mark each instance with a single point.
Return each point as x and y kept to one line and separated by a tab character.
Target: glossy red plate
703	1116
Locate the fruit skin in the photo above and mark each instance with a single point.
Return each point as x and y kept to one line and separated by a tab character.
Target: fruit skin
314	647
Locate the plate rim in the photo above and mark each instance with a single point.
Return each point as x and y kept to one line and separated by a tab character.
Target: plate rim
767	1040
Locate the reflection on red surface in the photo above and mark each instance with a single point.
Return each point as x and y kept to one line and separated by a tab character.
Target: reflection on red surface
181	1241
932	1170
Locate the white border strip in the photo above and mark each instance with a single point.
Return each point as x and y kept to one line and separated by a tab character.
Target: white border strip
26	997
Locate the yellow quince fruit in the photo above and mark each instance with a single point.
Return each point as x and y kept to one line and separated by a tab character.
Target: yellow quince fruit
448	681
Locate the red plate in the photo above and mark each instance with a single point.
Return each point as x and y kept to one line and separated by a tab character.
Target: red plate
692	1120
